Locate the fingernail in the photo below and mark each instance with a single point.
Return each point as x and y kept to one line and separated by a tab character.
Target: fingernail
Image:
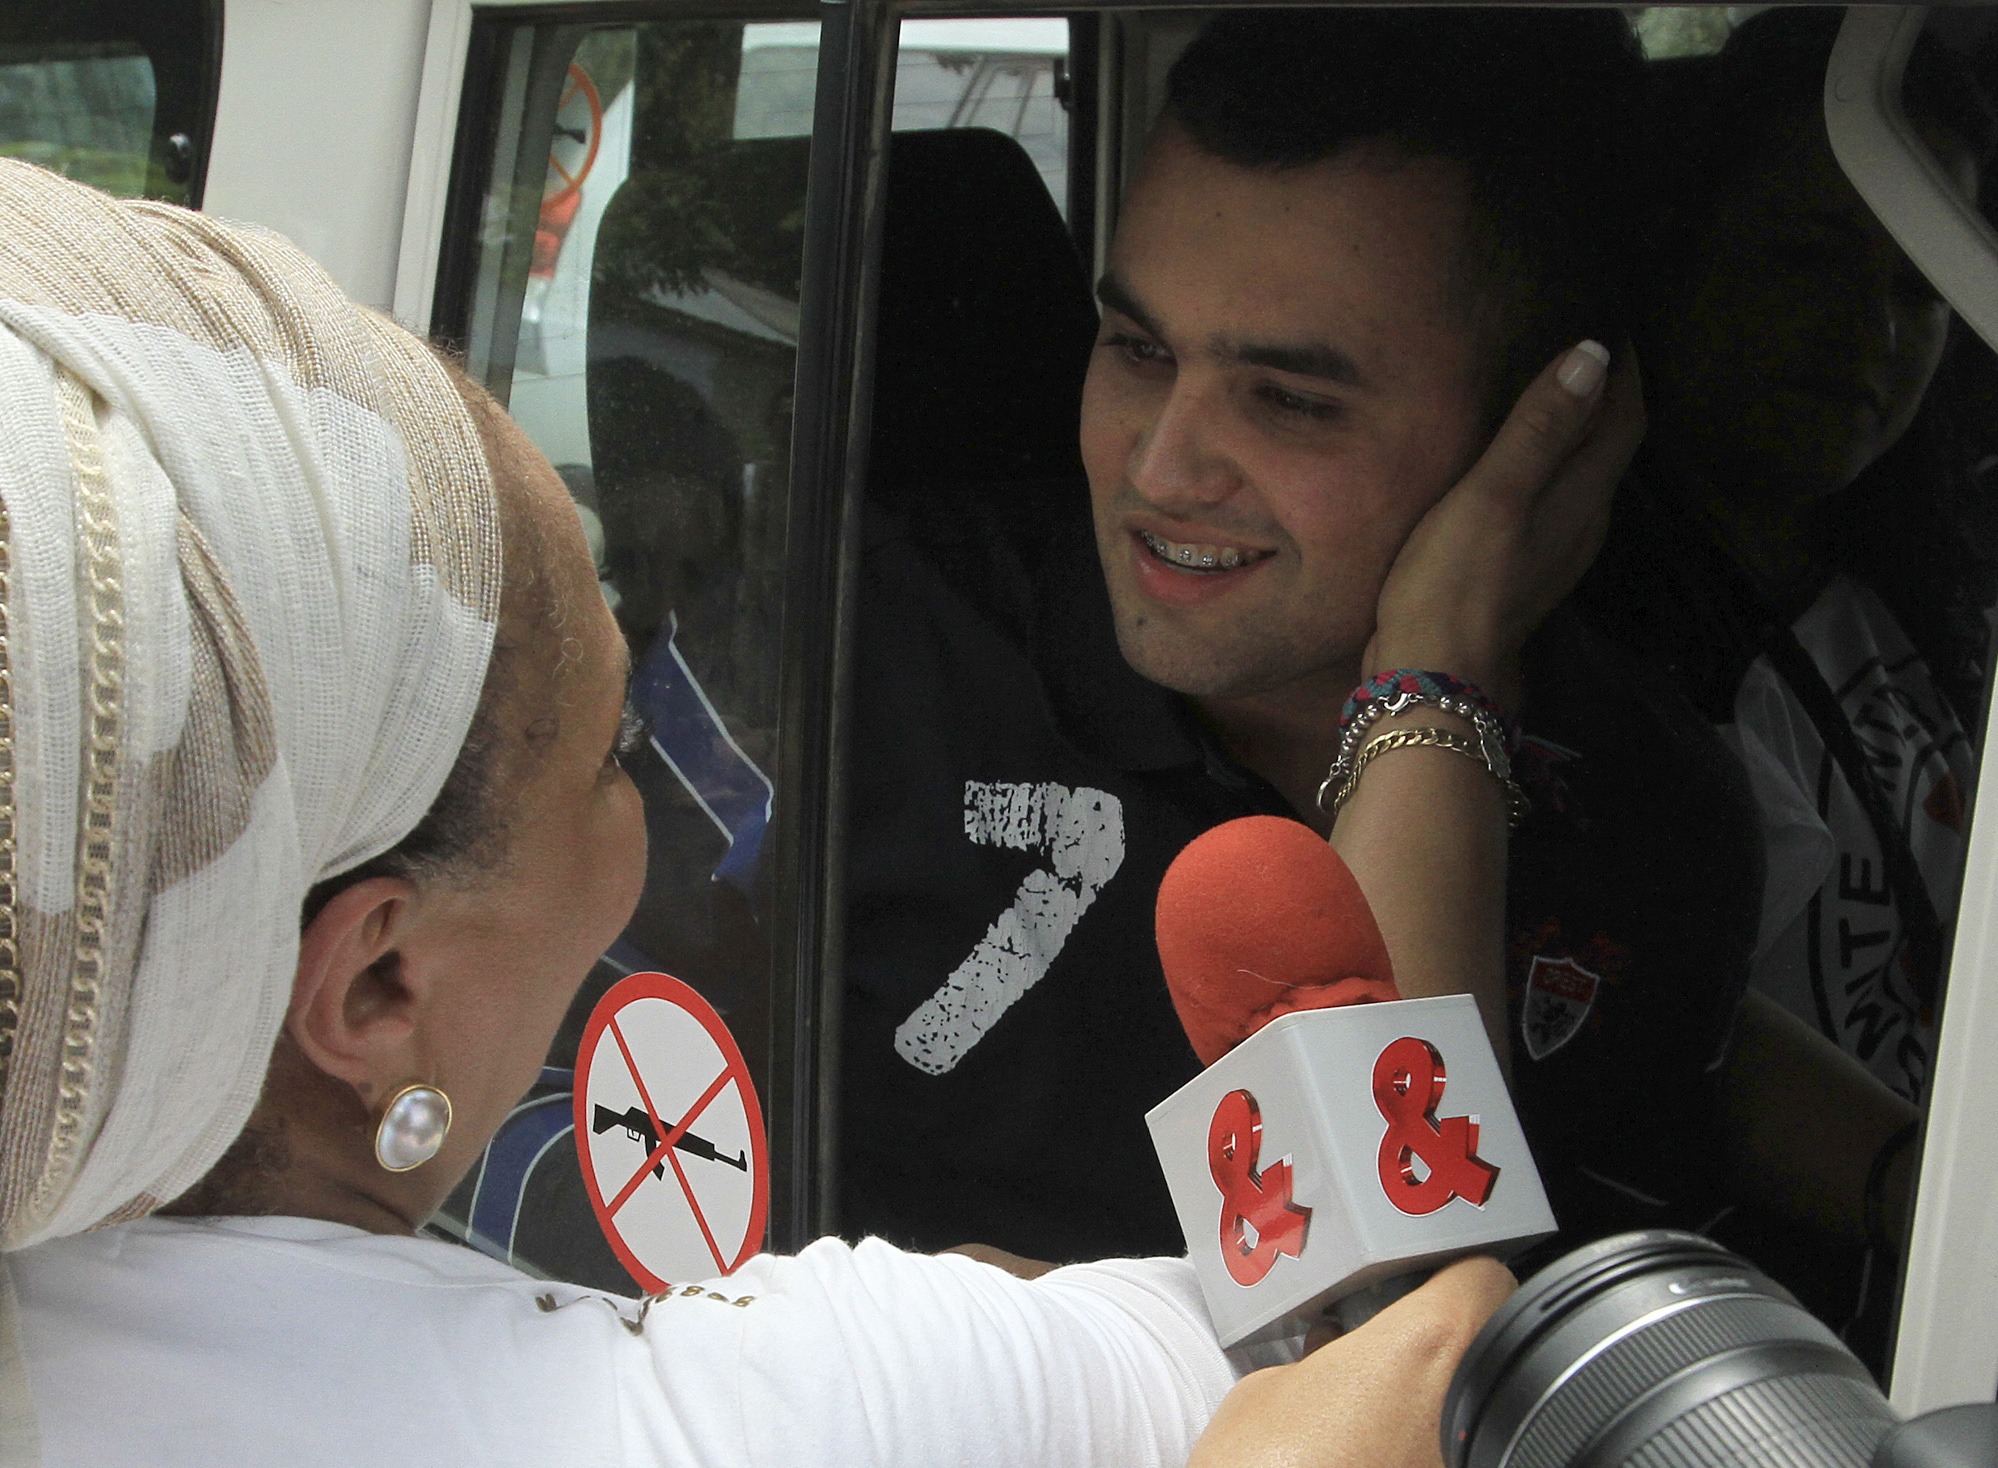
1584	368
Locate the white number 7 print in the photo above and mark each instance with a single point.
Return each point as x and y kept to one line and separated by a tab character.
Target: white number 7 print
1081	833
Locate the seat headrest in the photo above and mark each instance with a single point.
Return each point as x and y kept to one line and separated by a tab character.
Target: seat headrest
985	319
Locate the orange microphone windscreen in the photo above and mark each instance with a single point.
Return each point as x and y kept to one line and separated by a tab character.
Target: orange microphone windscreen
1260	917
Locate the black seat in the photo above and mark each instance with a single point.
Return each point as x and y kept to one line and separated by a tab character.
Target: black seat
984	326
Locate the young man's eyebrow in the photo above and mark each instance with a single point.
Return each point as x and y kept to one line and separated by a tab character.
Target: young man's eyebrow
1310	359
1112	295
1301	360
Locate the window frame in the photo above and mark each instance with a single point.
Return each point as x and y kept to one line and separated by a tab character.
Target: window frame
197	122
1947	1333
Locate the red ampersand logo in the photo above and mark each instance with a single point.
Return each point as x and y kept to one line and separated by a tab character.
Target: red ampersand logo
1408	1085
1258	1220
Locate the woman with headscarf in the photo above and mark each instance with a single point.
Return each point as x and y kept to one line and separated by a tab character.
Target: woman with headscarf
311	822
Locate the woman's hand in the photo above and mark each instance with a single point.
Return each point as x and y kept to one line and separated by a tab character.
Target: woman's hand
1476	576
1514	535
1371	1399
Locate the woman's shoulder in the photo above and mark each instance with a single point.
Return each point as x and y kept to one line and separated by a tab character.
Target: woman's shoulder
161	1252
252	1340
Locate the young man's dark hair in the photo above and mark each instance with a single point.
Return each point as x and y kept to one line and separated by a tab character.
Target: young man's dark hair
1536	105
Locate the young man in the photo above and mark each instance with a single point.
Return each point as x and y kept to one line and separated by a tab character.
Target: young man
1355	238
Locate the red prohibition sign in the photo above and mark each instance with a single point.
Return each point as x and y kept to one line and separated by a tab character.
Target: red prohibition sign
669	1133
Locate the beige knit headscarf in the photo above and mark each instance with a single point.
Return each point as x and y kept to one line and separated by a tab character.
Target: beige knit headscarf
249	574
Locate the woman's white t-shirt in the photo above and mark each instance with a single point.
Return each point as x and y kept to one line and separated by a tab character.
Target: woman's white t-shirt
262	1341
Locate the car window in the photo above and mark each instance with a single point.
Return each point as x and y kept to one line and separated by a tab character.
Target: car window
1894	614
626	277
116	94
1009	75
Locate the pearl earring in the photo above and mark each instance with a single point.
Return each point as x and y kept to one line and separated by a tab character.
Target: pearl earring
413	1126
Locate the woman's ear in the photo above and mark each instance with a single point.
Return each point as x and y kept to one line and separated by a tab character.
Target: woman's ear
353	1007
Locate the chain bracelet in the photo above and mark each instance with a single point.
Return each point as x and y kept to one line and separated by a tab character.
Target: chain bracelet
1430	737
1492	739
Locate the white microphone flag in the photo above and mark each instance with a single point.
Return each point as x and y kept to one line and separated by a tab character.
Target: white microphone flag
1337	1148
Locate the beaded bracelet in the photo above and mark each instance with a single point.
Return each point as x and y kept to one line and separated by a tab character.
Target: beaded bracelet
1429	737
1426	686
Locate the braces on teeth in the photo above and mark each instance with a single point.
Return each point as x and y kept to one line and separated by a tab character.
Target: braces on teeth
1185	555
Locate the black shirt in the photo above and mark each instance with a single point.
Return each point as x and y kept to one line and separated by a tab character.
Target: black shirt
1018	791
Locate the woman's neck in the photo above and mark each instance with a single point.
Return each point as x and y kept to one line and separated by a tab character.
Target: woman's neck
307	1153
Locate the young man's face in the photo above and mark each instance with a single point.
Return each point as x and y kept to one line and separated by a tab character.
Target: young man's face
1285	381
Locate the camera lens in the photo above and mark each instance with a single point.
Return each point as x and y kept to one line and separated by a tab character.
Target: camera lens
1659	1350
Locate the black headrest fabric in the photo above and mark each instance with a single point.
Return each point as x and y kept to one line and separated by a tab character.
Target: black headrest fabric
985	320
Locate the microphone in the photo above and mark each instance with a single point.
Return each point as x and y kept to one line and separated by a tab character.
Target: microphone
1260	917
1342	1140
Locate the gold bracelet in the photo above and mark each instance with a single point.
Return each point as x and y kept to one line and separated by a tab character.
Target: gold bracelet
1429	737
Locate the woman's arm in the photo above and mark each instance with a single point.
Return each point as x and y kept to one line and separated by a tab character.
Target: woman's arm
1372	1398
870	1357
1425	829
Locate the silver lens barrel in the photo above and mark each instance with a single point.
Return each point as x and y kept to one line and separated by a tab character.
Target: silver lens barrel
1659	1350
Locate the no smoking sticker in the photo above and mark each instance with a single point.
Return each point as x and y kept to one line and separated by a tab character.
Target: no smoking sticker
669	1134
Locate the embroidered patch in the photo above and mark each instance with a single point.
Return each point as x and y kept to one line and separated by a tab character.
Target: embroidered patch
1559	995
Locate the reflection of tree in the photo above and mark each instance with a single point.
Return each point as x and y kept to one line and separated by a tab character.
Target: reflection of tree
121	173
694	203
738	211
607	56
697	262
1693	30
686	74
690	402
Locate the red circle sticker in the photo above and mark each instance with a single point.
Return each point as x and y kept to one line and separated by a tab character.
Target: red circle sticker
669	1134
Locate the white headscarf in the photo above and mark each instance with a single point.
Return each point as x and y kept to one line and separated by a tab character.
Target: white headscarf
249	574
